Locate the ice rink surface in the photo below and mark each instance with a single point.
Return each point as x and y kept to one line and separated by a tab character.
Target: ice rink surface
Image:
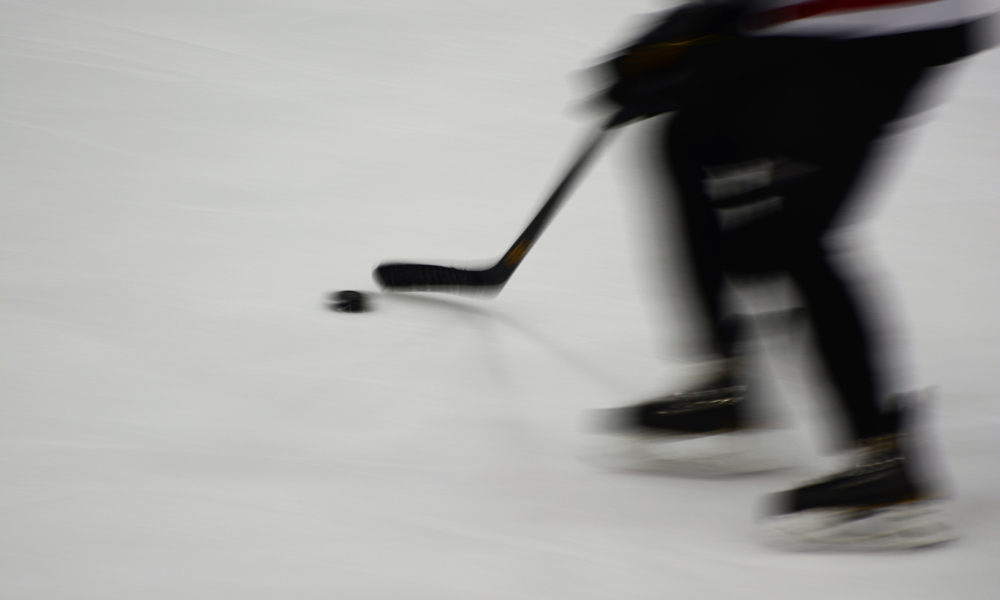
185	181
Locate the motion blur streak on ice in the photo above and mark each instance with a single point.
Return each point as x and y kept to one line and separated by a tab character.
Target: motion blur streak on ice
182	418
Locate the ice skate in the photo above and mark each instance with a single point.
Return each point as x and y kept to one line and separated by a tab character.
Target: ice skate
702	432
876	504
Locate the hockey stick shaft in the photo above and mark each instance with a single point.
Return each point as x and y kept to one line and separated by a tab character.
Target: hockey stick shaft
513	257
419	277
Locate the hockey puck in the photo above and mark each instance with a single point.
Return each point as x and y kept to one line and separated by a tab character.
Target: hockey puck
348	301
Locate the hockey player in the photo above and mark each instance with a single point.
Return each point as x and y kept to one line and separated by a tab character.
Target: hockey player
777	105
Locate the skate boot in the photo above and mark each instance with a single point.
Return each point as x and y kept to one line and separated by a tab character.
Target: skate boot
702	432
876	504
712	408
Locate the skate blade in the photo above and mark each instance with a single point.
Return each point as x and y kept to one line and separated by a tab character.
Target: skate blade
712	455
902	527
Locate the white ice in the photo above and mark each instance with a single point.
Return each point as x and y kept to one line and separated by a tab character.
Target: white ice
184	182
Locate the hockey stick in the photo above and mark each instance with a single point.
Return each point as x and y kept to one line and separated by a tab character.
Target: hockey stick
489	281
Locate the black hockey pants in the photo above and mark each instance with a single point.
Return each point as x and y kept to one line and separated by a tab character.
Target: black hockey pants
791	134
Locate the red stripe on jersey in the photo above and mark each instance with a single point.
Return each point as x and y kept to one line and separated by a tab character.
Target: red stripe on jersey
811	8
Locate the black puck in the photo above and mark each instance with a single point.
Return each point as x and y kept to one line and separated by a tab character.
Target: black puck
348	301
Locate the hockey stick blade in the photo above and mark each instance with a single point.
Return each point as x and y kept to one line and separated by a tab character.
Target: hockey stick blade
434	278
489	281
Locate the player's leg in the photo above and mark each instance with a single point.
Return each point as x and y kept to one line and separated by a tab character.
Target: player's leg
682	430
880	500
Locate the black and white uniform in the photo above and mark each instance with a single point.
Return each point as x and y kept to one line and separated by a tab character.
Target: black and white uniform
783	132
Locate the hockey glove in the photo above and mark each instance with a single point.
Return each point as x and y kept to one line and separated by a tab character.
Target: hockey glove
662	69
